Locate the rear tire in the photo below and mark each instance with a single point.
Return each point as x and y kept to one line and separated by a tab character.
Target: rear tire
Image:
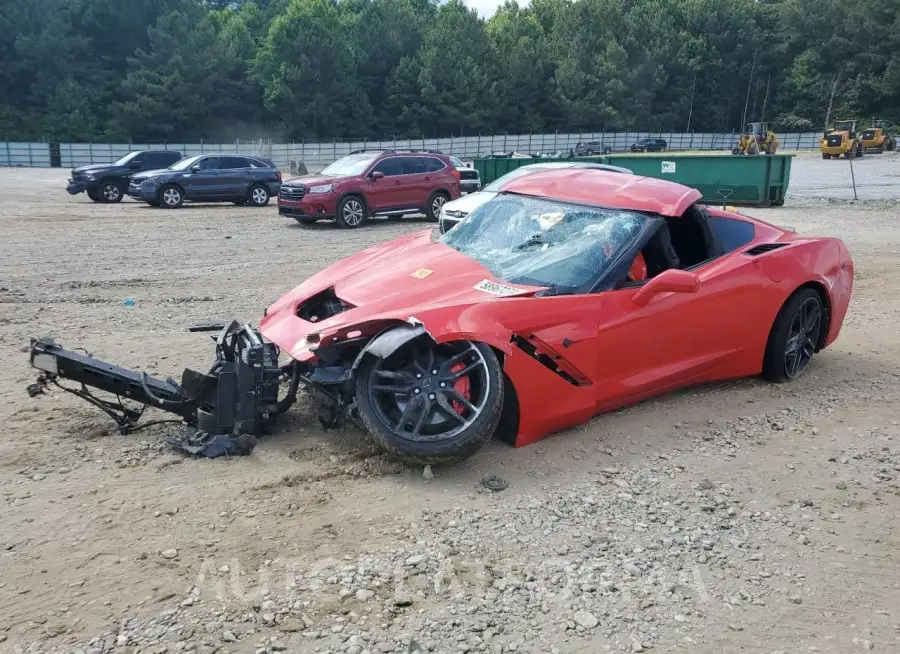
794	336
825	155
258	196
437	200
351	212
448	423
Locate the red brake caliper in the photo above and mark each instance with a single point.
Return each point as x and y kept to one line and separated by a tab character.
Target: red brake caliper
461	386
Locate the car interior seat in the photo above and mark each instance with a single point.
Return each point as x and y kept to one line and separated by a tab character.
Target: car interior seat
659	254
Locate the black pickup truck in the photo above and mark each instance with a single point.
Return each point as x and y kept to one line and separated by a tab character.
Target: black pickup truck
109	182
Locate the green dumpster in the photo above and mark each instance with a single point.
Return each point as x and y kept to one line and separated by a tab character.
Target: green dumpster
491	169
760	180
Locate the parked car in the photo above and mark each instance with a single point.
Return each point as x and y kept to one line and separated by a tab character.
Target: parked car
469	181
591	148
109	182
209	178
372	183
454	212
650	145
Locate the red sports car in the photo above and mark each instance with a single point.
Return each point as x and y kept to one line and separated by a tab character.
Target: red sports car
571	293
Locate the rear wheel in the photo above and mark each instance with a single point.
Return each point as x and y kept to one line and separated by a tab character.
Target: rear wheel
430	402
351	212
794	336
825	155
258	196
435	203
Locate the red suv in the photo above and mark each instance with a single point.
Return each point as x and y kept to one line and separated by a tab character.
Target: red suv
372	183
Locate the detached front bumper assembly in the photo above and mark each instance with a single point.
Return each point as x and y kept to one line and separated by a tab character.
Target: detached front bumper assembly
74	188
237	396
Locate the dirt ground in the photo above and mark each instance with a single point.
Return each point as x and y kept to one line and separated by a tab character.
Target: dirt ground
737	517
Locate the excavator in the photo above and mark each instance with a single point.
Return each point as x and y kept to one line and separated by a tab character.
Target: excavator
877	137
756	140
841	139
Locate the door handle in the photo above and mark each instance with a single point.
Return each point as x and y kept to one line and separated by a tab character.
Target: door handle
397	183
428	178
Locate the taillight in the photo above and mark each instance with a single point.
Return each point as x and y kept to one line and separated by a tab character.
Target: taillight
278	175
456	174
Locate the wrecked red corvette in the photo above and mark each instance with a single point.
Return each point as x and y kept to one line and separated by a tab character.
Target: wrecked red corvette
570	293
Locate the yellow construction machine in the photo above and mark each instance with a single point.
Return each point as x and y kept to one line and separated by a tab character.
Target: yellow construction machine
877	137
758	139
841	140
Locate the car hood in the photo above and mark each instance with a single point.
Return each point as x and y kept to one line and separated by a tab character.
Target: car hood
468	203
402	279
314	180
147	174
93	168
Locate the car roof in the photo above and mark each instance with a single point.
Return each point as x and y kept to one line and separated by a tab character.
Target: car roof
608	189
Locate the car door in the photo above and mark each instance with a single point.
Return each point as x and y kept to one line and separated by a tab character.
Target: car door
235	177
202	180
416	188
676	338
385	193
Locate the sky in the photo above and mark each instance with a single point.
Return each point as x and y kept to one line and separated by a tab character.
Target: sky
485	8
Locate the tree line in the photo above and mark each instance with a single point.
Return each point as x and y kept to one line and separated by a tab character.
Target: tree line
184	70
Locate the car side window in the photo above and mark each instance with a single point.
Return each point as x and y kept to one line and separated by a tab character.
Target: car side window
432	165
390	167
229	163
412	165
732	233
210	163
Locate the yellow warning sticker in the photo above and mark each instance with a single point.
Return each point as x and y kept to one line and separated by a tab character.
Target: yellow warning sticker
421	273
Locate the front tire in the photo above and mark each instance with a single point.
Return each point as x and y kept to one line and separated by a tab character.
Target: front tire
110	192
171	196
351	212
794	337
435	203
432	403
258	196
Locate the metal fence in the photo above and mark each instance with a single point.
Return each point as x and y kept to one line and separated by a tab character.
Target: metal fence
35	155
318	153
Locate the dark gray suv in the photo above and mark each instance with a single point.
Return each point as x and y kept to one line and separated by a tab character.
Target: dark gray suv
241	179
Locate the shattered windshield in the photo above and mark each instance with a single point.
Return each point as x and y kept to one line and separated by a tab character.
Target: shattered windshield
540	242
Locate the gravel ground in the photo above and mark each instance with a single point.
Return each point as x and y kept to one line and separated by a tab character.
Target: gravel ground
735	517
877	177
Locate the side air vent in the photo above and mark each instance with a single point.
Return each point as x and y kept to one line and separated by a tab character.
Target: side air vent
763	248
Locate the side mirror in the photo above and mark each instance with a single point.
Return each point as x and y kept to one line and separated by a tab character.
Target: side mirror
668	281
195	169
377	174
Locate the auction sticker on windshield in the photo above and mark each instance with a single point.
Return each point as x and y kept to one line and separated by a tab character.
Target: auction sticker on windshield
421	273
494	288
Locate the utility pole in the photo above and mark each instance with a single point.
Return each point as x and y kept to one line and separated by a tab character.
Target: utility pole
749	85
691	110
